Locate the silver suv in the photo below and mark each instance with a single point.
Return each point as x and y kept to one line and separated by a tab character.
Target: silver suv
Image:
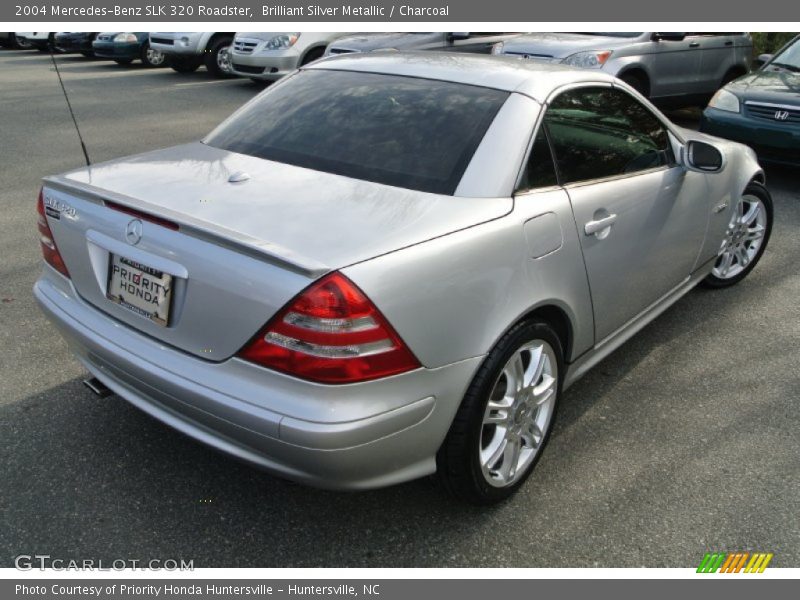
670	68
188	50
269	55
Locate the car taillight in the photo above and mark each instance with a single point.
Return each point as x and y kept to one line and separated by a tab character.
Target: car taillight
331	333
49	249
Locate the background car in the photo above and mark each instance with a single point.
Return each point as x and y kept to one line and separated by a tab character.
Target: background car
41	40
407	258
438	40
671	69
762	109
125	47
73	41
188	50
9	39
269	55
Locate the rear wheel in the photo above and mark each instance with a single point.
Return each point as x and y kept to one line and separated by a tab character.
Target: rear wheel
152	58
504	421
745	239
19	43
217	58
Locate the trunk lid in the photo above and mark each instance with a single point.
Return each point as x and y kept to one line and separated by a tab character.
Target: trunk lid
251	234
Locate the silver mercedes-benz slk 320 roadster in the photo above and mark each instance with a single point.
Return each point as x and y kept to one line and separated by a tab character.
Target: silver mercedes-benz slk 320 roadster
391	265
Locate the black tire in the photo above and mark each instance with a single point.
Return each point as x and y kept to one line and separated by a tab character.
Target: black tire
212	55
49	45
312	55
637	82
123	62
458	463
758	190
17	44
184	65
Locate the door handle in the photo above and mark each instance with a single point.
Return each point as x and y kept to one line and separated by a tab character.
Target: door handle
694	45
599	226
729	43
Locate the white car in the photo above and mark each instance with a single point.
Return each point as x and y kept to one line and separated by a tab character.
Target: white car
41	40
267	56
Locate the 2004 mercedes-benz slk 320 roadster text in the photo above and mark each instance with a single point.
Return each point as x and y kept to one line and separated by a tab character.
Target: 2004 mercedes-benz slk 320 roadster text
391	265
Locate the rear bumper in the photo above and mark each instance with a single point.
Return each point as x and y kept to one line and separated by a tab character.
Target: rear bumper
773	142
340	437
268	67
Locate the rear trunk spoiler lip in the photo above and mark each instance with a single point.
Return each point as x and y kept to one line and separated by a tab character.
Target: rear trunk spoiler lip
199	229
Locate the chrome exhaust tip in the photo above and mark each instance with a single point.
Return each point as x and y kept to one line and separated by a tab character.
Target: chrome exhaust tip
98	387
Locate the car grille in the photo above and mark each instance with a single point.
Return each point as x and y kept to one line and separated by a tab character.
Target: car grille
774	112
165	41
248	69
340	51
244	46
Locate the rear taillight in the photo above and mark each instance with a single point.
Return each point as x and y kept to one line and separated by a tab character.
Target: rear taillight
49	250
331	333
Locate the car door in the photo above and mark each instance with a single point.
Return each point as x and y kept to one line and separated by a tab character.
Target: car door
717	56
641	228
675	67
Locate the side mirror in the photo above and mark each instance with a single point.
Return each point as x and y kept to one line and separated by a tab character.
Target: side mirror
669	36
703	157
457	35
762	59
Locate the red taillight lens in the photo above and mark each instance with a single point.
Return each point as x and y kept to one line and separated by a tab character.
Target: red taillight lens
49	249
331	333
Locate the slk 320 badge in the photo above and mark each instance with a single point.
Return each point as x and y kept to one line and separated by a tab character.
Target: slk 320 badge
55	208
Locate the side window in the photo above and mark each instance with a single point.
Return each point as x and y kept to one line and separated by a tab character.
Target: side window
540	170
603	132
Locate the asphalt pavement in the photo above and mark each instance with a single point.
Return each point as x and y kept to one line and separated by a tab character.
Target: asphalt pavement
683	441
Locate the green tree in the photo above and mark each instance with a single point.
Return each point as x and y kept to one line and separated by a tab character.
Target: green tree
770	42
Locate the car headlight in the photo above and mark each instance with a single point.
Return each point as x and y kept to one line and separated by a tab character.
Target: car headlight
285	40
125	37
724	100
593	59
498	48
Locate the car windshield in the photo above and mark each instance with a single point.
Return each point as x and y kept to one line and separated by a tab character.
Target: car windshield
402	131
789	58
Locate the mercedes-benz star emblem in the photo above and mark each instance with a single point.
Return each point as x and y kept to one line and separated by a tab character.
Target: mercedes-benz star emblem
133	232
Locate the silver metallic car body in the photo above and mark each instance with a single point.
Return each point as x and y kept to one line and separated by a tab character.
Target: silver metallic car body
694	67
183	43
450	273
251	58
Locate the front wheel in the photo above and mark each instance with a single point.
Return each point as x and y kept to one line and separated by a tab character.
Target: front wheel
505	419
152	58
217	58
745	239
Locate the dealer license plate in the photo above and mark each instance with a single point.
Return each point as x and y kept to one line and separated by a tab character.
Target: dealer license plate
139	288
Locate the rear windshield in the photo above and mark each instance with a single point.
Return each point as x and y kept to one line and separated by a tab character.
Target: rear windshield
413	133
